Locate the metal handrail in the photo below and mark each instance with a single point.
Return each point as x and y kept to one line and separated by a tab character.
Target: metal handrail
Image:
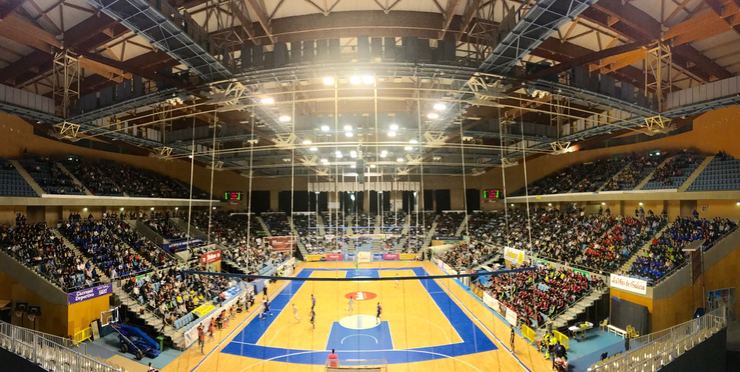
655	350
46	352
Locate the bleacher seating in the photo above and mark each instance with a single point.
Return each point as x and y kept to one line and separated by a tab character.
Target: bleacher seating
12	183
638	168
721	174
36	246
103	247
675	171
540	294
666	255
277	222
92	176
449	222
46	173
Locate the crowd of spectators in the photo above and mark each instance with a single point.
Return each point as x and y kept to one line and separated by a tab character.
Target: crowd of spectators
540	294
601	172
448	223
468	256
92	176
36	246
393	222
638	168
674	171
151	252
171	294
666	252
277	222
143	183
46	173
103	247
163	225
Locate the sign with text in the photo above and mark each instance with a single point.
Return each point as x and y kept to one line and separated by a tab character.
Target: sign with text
86	294
626	283
210	257
514	255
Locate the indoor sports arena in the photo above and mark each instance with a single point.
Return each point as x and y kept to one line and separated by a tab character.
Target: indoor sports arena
369	185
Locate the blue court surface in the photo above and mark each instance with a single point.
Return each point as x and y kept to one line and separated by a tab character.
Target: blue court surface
371	344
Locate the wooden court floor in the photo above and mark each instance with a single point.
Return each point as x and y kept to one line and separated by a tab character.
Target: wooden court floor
424	326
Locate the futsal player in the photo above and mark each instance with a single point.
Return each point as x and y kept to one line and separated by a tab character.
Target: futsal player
313	319
378	313
295	314
313	302
397	281
350	304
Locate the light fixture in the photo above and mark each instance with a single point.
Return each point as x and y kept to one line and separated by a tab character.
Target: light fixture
549	204
214	208
338	154
324	161
267	101
413	141
313	149
352	196
84	209
372	166
440	106
436	158
284	118
347	128
121	209
348	134
409	148
353	166
512	204
328	80
177	208
641	204
400	160
307	142
353	154
602	203
391	133
433	116
737	204
383	153
324	128
393	127
151	209
368	79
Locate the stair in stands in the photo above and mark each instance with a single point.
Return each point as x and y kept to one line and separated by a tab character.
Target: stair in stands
103	277
320	224
31	182
348	221
183	226
578	308
298	241
486	263
650	176
463	224
695	174
606	182
149	318
377	229
264	225
645	247
430	234
72	177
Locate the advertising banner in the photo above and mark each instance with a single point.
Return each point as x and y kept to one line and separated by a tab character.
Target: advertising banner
209	257
390	256
334	257
86	294
204	309
511	316
281	243
626	283
513	255
407	256
314	257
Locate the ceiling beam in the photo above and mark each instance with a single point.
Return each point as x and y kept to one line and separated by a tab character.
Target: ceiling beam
636	25
447	17
471	7
262	17
718	7
9	6
16	28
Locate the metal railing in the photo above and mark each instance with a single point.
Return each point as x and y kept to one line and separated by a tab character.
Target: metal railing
46	351
656	350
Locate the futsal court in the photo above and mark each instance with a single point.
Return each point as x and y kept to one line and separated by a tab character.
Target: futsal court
425	325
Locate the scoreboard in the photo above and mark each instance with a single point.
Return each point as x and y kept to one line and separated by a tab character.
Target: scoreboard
491	194
232	196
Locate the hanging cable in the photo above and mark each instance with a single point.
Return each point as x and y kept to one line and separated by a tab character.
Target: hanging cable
503	175
213	167
526	186
190	198
249	202
292	172
464	179
421	171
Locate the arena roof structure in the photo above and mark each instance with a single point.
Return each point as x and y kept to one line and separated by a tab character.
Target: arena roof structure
391	87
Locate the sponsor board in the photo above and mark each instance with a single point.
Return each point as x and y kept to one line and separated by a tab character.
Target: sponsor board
626	283
204	309
511	316
334	257
514	255
210	257
407	256
391	256
86	294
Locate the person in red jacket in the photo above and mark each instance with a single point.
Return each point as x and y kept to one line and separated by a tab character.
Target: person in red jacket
333	359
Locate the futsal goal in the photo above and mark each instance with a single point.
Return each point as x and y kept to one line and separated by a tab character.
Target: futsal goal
358	365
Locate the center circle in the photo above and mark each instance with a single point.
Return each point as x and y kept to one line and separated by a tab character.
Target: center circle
357	322
360	296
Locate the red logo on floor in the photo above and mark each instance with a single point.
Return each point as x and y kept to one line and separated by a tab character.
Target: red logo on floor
361	296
